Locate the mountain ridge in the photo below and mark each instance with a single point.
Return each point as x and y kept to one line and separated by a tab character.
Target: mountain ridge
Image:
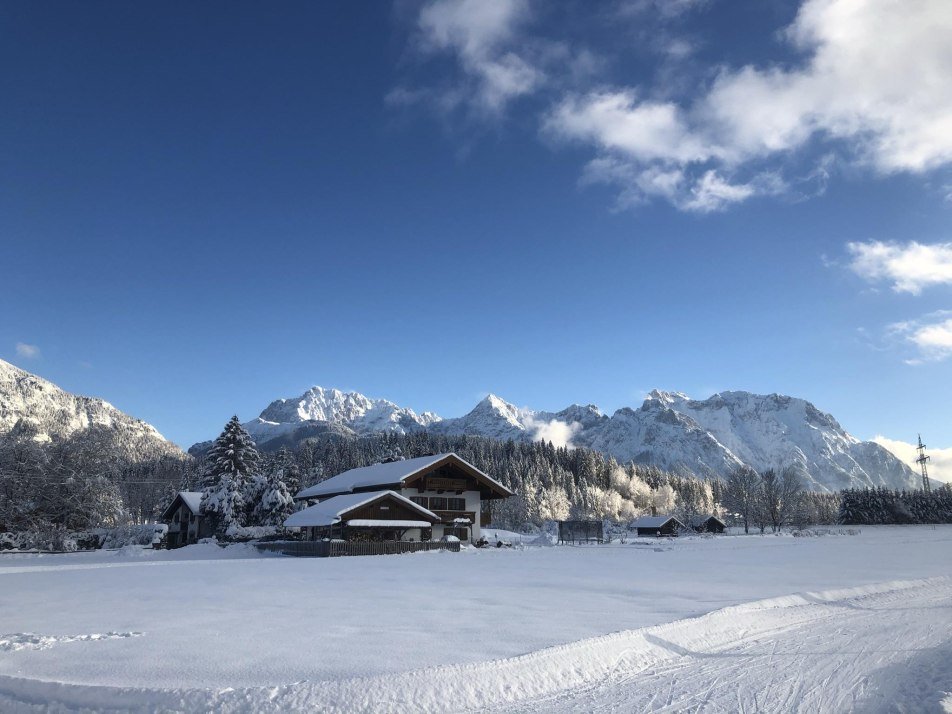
34	408
707	437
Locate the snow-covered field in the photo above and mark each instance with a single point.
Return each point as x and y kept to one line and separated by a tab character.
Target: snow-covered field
732	623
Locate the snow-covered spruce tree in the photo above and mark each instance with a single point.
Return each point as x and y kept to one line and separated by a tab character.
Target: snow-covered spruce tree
275	503
232	464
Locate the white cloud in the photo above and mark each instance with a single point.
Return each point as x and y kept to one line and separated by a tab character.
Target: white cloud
855	87
478	33
931	335
940	464
27	351
560	433
910	267
879	75
874	84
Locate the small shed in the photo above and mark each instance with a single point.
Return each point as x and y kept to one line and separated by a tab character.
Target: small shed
657	526
581	532
707	524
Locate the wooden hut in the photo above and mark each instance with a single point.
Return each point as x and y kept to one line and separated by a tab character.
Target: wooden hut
657	526
707	524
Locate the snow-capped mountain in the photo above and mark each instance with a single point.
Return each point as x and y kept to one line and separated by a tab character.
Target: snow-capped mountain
346	409
33	408
671	430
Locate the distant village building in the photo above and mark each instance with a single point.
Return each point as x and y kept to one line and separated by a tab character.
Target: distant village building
707	524
658	526
425	498
187	524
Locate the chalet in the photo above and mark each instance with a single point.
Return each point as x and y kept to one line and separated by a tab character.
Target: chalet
657	526
707	524
417	499
186	522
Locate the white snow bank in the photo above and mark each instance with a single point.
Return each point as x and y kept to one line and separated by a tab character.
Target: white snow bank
725	660
233	619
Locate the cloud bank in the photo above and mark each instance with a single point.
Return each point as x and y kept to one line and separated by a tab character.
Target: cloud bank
873	84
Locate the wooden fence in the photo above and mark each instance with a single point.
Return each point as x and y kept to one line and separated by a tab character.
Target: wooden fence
337	548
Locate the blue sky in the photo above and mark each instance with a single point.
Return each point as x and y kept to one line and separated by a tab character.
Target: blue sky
204	207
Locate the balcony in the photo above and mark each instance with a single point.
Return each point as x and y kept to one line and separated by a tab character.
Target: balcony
447	517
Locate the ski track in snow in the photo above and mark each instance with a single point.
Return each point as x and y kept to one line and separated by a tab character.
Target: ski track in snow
885	647
32	641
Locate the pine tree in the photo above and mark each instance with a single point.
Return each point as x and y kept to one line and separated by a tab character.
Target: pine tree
232	464
276	502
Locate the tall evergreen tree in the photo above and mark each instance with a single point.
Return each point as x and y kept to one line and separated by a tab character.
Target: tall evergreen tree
232	464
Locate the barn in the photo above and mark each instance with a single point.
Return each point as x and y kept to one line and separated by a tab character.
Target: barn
707	524
657	526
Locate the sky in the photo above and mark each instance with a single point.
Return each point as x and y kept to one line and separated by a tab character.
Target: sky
208	206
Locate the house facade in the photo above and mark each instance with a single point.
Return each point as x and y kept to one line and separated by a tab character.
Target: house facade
424	498
185	520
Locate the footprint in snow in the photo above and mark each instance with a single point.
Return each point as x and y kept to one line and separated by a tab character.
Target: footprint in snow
33	641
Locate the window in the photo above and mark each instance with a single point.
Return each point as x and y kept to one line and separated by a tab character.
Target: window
456	504
438	503
420	500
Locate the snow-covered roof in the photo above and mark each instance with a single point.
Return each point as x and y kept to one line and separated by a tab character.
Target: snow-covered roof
700	520
653	521
391	473
329	512
193	499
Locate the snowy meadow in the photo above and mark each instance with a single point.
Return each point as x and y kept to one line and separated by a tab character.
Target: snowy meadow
771	623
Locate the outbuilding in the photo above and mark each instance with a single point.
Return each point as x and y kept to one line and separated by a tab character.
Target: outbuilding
707	524
657	526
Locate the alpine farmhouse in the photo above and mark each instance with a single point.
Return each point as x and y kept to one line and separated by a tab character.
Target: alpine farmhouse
419	499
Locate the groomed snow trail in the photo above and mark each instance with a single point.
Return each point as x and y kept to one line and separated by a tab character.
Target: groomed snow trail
885	647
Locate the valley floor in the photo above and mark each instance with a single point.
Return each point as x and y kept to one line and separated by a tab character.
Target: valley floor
731	623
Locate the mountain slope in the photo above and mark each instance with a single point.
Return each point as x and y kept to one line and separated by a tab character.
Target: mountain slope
34	408
707	437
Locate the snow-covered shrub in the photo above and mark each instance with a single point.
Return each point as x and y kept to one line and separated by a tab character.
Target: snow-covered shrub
122	536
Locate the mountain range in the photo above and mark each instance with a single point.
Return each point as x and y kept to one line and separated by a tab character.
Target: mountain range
707	437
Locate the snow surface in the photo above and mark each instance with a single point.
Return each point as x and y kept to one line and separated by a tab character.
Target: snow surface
724	623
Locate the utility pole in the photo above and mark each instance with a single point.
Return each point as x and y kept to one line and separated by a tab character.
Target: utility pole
922	460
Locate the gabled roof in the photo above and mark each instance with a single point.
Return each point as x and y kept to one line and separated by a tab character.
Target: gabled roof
695	521
191	499
654	521
333	510
394	473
